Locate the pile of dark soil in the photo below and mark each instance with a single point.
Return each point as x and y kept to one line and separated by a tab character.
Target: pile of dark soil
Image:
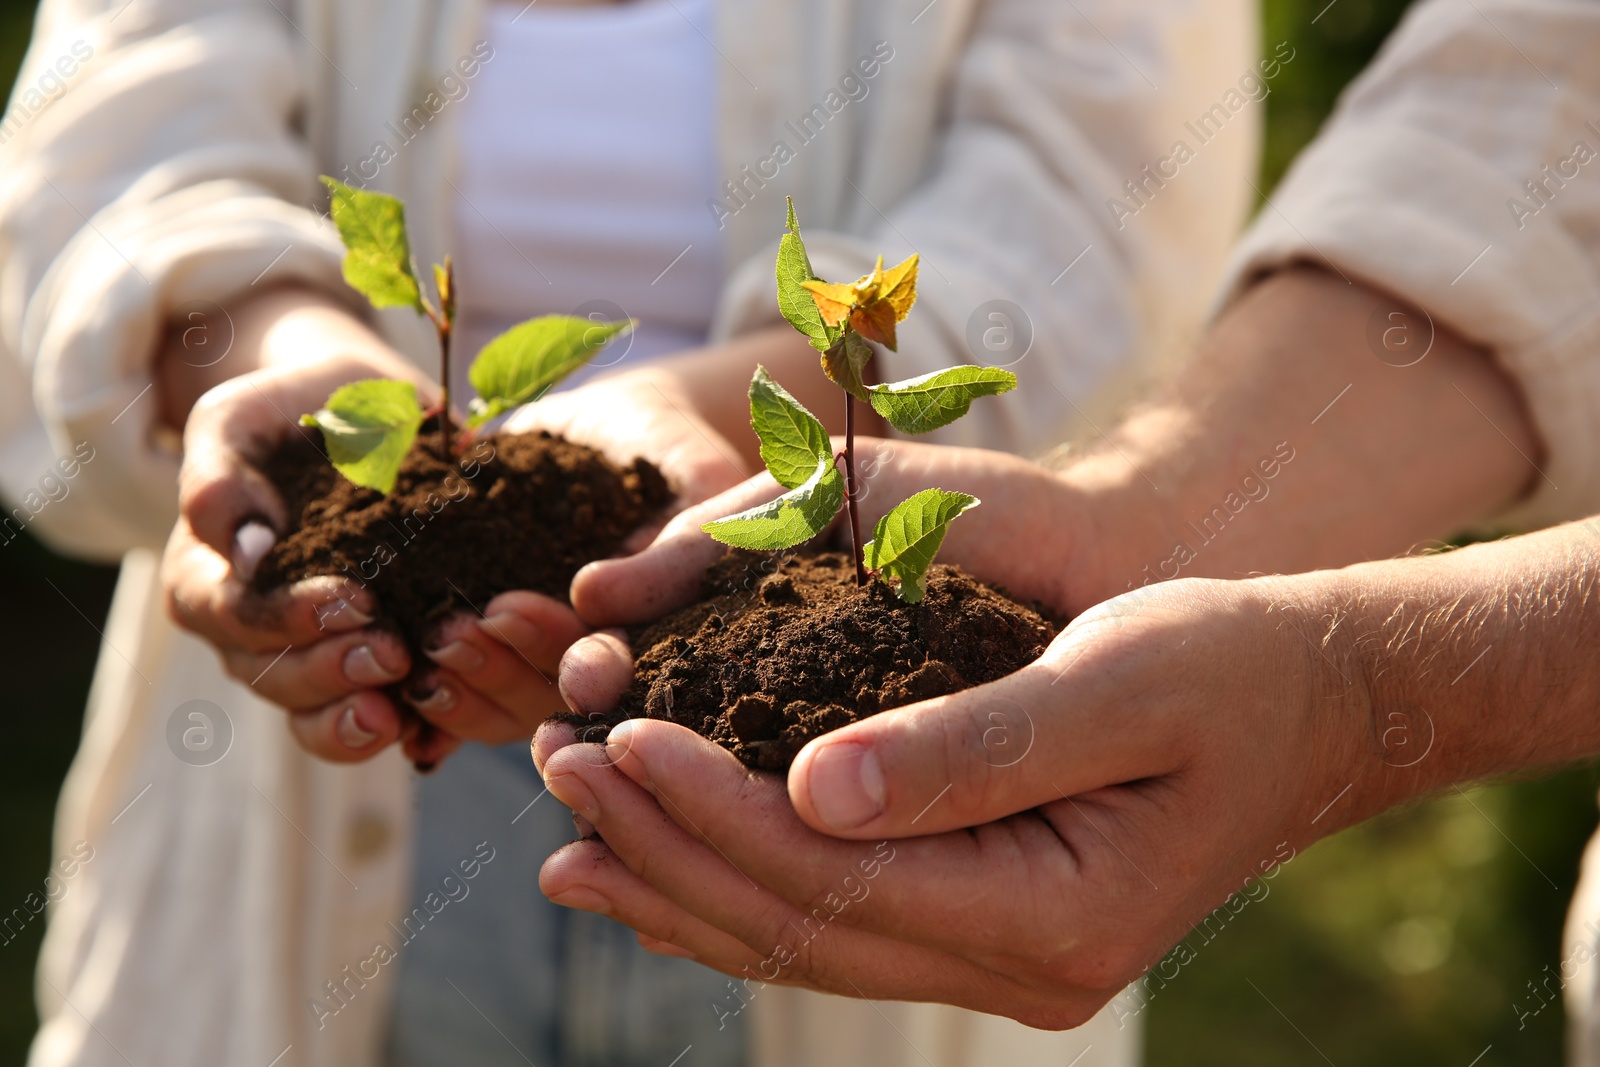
514	511
786	648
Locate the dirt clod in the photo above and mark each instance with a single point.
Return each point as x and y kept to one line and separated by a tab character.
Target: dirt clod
514	511
786	648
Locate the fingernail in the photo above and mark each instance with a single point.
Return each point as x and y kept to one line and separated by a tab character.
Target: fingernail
846	785
361	668
439	702
512	629
251	543
584	828
458	656
619	741
341	616
571	791
351	732
583	899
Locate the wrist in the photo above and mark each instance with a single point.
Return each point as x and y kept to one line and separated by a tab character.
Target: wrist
287	329
1340	742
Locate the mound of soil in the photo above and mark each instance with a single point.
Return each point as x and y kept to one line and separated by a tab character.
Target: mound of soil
786	648
514	511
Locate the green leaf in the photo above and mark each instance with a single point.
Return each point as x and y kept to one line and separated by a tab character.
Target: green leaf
368	428
930	401
906	540
519	365
845	362
377	259
793	442
796	516
797	305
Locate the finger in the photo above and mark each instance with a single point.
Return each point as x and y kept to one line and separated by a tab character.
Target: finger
486	657
595	672
451	706
206	596
349	730
587	875
1022	504
679	865
317	674
448	702
665	871
697	463
1034	506
219	488
1057	865
551	738
661	948
538	627
642	587
1058	727
662	842
425	745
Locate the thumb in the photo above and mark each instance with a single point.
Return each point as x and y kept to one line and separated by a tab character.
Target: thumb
645	586
1059	727
231	507
220	489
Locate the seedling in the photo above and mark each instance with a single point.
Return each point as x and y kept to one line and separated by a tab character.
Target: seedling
369	426
840	320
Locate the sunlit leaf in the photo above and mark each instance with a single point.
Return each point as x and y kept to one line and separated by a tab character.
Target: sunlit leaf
377	259
927	402
873	303
526	360
875	322
796	516
906	540
898	287
368	428
793	442
834	301
794	270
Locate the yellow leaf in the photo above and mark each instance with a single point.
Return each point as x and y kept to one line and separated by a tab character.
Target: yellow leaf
833	301
868	286
875	322
899	288
873	304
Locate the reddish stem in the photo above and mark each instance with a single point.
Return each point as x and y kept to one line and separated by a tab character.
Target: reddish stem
850	487
444	325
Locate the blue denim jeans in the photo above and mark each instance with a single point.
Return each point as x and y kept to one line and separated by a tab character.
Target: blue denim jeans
497	976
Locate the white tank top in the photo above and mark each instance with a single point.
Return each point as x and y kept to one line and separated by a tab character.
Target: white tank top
588	153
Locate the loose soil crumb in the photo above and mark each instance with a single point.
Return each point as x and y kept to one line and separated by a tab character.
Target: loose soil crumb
515	511
786	648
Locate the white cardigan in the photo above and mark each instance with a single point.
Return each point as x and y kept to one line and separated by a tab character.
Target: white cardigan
165	151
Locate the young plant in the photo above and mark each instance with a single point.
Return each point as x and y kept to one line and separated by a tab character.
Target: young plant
369	426
842	321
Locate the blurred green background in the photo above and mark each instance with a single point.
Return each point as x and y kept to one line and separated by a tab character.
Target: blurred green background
1407	941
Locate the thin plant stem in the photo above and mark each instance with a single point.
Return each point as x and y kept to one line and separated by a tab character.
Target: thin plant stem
445	320
444	388
850	487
